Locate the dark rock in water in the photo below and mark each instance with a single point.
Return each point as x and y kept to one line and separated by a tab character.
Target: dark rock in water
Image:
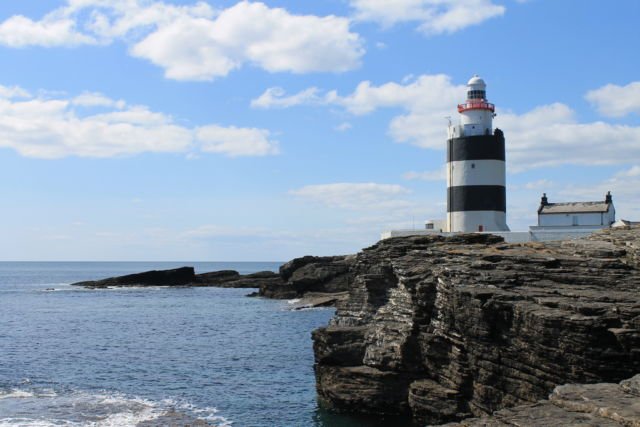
280	290
447	328
323	275
602	405
233	279
217	277
287	270
310	274
177	277
185	276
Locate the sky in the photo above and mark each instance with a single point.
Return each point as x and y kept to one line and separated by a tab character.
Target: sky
225	130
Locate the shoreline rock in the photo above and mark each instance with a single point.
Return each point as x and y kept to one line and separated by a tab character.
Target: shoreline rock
602	404
175	277
444	329
323	279
319	299
186	277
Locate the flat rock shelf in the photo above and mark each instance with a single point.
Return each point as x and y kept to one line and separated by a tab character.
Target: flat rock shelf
601	405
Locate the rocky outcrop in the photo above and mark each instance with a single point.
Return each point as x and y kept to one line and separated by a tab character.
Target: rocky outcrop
323	279
176	277
602	405
233	279
449	328
309	274
185	276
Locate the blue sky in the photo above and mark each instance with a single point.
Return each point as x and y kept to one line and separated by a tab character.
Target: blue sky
244	130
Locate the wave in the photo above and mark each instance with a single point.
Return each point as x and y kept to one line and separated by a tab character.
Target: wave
46	408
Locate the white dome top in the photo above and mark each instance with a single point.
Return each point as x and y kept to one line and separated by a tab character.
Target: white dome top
476	81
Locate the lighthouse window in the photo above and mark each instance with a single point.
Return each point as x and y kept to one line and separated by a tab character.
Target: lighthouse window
476	94
473	165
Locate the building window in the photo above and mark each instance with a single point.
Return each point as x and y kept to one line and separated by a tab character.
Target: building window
575	220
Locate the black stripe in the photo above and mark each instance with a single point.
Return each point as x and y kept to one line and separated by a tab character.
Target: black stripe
477	198
480	147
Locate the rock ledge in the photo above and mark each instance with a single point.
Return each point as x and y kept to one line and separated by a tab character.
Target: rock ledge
449	328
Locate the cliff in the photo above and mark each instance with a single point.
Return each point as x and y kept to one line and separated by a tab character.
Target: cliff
448	328
602	405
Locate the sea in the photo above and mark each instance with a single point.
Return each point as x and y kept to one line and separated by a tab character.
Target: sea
153	356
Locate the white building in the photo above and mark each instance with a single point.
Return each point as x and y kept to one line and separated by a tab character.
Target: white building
573	219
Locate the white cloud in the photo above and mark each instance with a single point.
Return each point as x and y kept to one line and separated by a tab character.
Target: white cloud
236	142
549	135
623	185
13	92
427	94
634	171
95	99
428	100
113	19
356	196
276	97
196	42
51	128
433	16
616	101
55	29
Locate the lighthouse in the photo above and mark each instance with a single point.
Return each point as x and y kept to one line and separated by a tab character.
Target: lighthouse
476	173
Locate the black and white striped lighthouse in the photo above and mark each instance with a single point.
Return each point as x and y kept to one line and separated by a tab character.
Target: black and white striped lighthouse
476	191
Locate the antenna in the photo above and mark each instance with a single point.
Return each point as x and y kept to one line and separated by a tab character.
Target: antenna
449	130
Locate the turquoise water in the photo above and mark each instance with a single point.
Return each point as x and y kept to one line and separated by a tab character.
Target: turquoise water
118	357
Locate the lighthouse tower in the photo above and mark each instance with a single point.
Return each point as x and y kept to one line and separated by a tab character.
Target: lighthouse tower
476	191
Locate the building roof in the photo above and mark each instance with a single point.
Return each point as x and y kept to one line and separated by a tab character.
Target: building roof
575	207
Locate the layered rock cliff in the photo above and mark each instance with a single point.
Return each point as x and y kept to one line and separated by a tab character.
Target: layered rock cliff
449	328
601	405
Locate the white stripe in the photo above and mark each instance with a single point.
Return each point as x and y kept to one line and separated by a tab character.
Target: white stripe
476	172
470	221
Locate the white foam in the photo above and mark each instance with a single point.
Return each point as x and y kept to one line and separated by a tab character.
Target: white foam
28	422
128	418
101	409
293	301
15	394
